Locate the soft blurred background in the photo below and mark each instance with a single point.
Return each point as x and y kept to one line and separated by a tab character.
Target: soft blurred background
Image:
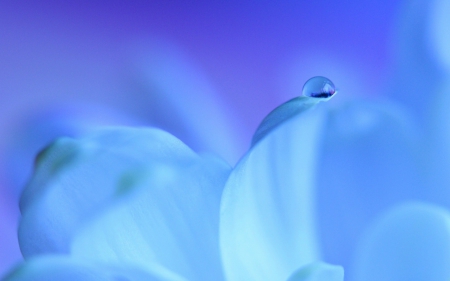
208	72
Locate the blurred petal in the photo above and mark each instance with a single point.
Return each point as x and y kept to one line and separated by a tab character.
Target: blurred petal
439	35
55	268
267	215
9	246
420	81
74	179
181	100
170	216
418	74
411	242
21	144
438	158
370	162
39	129
62	268
318	271
281	114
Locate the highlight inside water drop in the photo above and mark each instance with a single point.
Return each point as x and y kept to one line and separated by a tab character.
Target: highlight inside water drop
318	87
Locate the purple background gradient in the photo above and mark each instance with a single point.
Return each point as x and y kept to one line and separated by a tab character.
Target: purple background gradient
55	52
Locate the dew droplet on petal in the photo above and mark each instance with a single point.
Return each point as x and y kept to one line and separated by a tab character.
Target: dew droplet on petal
318	87
315	90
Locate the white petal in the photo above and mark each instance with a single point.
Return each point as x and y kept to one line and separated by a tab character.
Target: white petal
267	215
39	129
75	179
318	271
170	217
63	268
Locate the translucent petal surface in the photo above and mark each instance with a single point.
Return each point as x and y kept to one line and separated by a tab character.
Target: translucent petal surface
282	113
170	216
411	242
62	268
369	163
267	214
75	179
318	271
39	129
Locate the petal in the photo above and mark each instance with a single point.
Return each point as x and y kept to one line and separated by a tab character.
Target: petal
170	217
39	129
418	74
62	268
281	114
74	179
439	36
182	101
410	242
420	81
9	213
438	156
318	271
51	268
371	158
267	209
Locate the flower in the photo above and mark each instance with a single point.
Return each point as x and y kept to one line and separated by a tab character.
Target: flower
138	204
130	201
372	159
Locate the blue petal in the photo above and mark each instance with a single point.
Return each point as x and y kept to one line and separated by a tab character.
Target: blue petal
169	214
439	36
411	242
62	268
182	101
39	129
267	227
281	114
318	271
10	252
437	158
421	82
74	179
370	161
418	75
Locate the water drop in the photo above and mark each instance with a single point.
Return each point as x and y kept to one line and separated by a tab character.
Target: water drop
318	87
